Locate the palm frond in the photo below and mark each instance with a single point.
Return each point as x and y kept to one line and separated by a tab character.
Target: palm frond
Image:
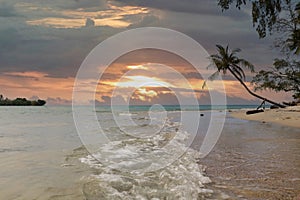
214	76
240	70
219	47
218	63
236	50
211	78
216	56
221	50
227	60
204	85
238	73
247	64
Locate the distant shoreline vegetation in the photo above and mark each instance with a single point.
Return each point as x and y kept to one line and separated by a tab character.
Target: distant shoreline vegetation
20	102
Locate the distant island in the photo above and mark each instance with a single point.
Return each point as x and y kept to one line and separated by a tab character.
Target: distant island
20	102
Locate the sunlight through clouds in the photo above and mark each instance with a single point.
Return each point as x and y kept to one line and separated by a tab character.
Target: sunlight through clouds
136	67
113	16
138	81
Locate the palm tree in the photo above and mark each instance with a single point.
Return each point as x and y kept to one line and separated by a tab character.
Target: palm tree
225	60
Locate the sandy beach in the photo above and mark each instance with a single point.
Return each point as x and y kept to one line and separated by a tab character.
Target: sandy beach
289	116
257	159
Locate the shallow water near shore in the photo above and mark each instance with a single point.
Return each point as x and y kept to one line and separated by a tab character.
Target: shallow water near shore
255	160
42	157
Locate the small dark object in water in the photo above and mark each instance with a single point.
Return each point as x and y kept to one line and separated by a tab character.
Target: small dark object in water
250	112
201	115
273	107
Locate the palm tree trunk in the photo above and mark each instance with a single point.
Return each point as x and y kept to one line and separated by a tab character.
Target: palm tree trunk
252	93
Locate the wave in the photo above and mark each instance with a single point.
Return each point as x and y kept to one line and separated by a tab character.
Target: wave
157	167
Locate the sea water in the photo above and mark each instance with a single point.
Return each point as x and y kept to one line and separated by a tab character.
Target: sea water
42	156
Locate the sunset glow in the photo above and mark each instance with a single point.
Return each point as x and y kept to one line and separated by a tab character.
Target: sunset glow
45	42
136	67
135	99
113	16
141	81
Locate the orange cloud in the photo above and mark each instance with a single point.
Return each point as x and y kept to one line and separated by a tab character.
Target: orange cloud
28	84
30	74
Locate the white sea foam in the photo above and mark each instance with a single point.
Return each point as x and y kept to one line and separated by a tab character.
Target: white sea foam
145	168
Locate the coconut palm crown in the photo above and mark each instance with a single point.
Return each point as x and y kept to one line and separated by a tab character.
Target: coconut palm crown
228	61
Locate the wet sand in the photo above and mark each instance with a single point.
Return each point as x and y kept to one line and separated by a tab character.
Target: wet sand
255	160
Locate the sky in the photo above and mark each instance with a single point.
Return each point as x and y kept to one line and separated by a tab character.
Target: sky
44	42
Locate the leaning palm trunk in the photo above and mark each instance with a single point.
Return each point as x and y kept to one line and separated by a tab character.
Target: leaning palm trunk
252	93
226	60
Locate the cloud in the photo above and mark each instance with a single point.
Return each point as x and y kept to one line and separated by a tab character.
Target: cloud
60	51
58	101
79	4
34	98
9	39
106	100
27	74
149	20
51	38
31	83
89	22
7	10
167	97
57	52
204	7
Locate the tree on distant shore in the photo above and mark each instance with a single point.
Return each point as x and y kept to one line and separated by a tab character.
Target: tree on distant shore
283	18
228	61
20	102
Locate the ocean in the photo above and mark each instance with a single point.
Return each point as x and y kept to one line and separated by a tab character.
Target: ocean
43	156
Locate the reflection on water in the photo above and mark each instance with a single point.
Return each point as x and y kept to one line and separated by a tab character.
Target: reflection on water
41	154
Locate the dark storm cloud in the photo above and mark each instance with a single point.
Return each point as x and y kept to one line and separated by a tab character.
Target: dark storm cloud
9	39
58	52
7	10
74	4
89	4
258	51
203	7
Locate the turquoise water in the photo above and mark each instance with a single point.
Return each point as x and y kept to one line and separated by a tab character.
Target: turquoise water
136	108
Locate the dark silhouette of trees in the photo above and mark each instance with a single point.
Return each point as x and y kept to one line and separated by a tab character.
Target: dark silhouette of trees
283	18
285	76
20	102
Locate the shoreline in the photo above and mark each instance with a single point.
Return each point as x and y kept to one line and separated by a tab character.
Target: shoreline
254	160
289	116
